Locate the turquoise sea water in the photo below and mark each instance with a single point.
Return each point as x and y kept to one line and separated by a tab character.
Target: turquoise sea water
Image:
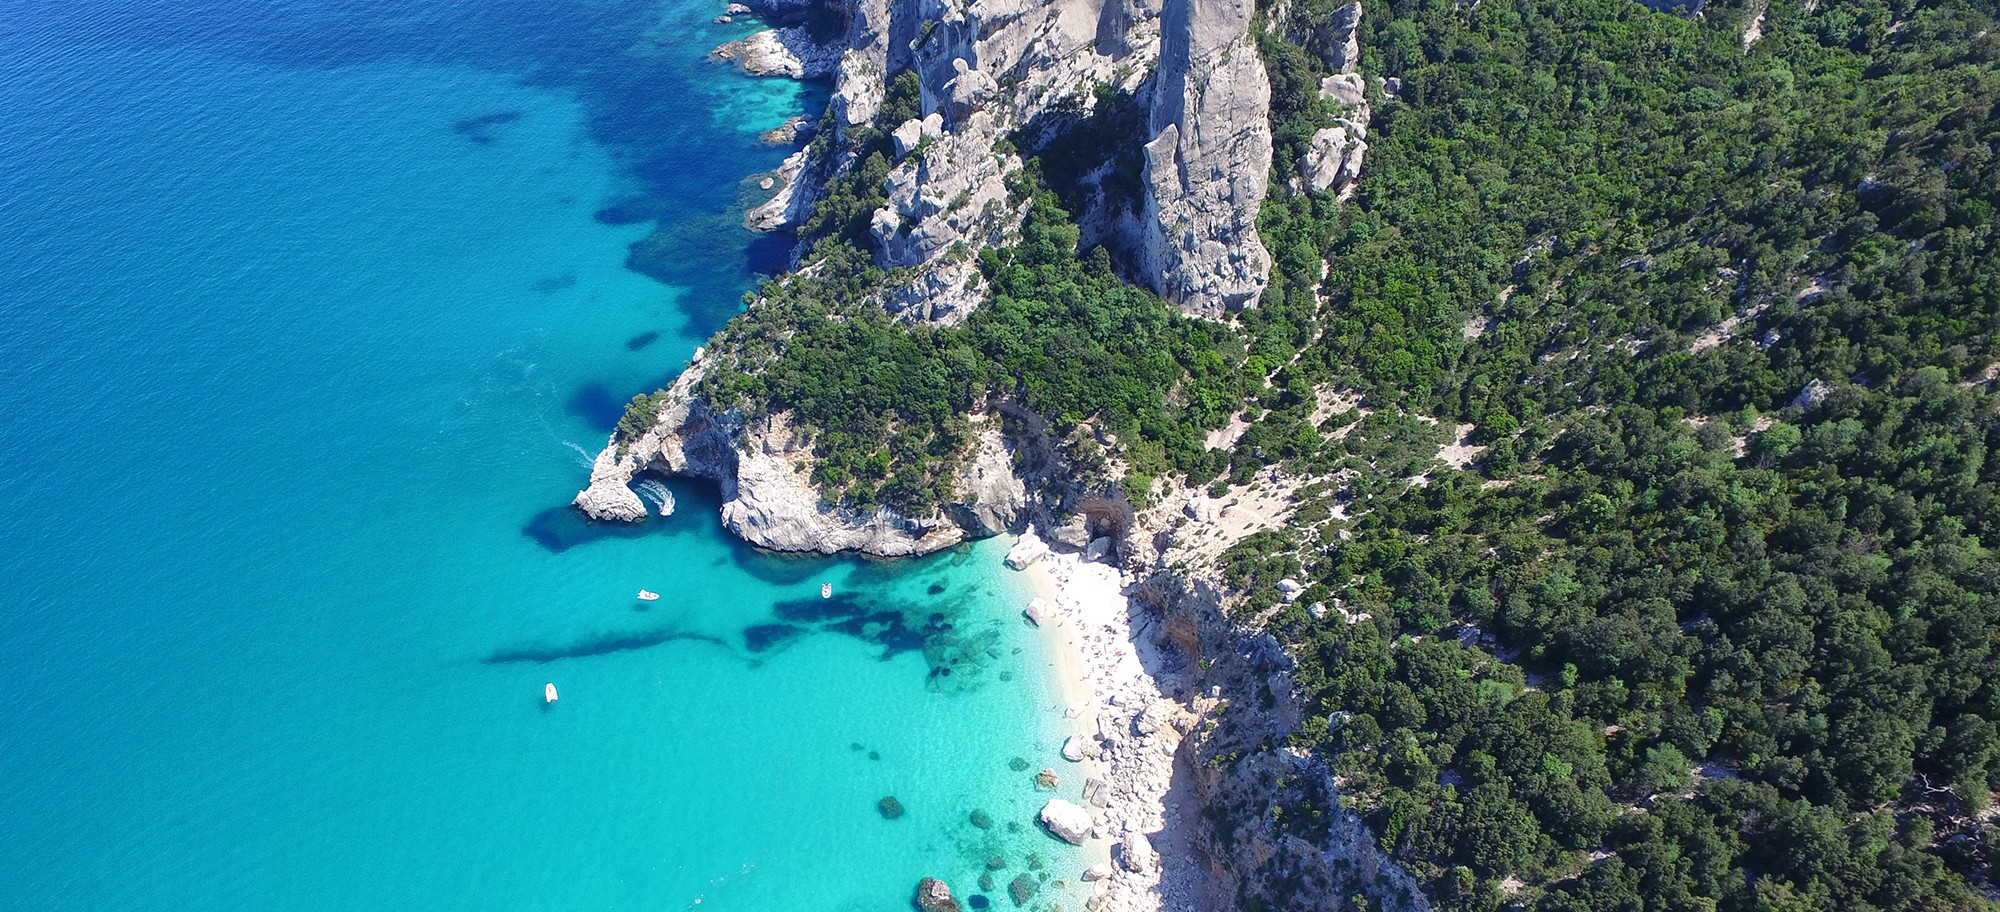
309	313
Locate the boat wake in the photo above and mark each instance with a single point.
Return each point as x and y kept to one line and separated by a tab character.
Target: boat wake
654	492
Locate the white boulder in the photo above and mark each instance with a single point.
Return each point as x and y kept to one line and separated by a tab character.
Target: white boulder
1343	88
1076	748
1068	822
1136	854
1026	553
907	137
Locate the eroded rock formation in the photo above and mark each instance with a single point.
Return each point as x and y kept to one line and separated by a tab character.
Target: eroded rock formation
764	472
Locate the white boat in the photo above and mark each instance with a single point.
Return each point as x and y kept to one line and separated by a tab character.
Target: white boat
647	595
826	590
549	692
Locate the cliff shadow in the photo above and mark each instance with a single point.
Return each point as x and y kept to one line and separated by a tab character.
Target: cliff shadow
1093	159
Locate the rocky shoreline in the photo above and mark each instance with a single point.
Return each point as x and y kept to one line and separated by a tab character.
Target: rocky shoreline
1126	733
787	52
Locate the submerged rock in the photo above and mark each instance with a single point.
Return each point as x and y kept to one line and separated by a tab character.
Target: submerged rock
1022	889
982	820
934	896
890	808
1047	779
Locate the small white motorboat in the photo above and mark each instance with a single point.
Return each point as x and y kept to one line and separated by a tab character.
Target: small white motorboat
826	590
647	595
549	692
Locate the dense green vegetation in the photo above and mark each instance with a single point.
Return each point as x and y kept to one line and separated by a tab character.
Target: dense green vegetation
1625	664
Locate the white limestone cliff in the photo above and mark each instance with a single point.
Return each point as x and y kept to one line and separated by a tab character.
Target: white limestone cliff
1208	160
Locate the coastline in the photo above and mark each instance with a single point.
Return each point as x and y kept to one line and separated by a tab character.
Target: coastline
1131	730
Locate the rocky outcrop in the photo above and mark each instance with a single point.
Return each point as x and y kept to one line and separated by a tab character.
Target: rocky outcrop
610	495
1207	161
1333	160
796	195
1026	553
1229	769
789	52
986	71
993	497
765	475
946	194
1135	853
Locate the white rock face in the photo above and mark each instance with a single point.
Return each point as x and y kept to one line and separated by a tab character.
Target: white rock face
1098	871
610	496
1812	394
1334	159
1344	51
857	92
992	497
942	196
1067	821
1073	535
947	201
777	507
1206	165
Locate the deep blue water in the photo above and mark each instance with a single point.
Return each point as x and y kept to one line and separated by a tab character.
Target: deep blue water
309	312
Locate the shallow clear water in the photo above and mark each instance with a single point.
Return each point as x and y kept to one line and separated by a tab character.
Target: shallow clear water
309	313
